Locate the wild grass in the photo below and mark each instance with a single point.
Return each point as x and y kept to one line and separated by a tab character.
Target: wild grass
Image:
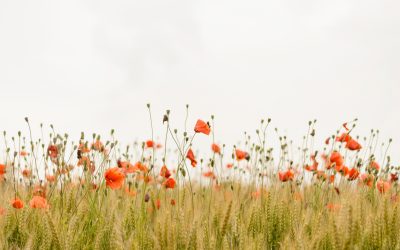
277	220
247	201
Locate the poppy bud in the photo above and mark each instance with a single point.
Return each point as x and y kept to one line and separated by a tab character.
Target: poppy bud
165	118
146	198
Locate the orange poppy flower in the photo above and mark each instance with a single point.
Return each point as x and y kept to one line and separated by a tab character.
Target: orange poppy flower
383	186
98	146
209	174
27	173
114	178
331	178
127	167
353	174
2	211
38	202
148	179
40	191
190	156
215	148
367	179
52	151
83	148
240	155
141	167
312	167
336	158
286	176
17	203
256	194
202	127
149	144
23	153
338	168
2	169
169	183
164	172
333	207
344	171
229	165
321	175
345	137
50	178
374	165
158	204
353	145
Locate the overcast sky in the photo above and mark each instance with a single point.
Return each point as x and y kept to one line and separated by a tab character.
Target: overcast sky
93	65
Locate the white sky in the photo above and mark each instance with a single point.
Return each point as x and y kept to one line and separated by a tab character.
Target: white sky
93	65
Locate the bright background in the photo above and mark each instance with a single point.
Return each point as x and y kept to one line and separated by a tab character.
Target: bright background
93	65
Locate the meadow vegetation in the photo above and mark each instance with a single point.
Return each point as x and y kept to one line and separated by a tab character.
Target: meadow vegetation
97	194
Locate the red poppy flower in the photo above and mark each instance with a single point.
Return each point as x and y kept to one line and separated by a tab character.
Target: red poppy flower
83	148
173	202
374	165
52	151
2	169
240	155
170	183
344	171
202	127
215	148
149	144
331	178
286	176
383	186
141	167
345	137
321	175
98	146
23	153
229	165
158	204
209	174
114	178
38	202
353	145
50	178
312	167
27	173
353	174
367	179
164	172
336	158
394	177
17	203
190	156
333	207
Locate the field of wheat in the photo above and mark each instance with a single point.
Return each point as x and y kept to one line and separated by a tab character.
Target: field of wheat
94	193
